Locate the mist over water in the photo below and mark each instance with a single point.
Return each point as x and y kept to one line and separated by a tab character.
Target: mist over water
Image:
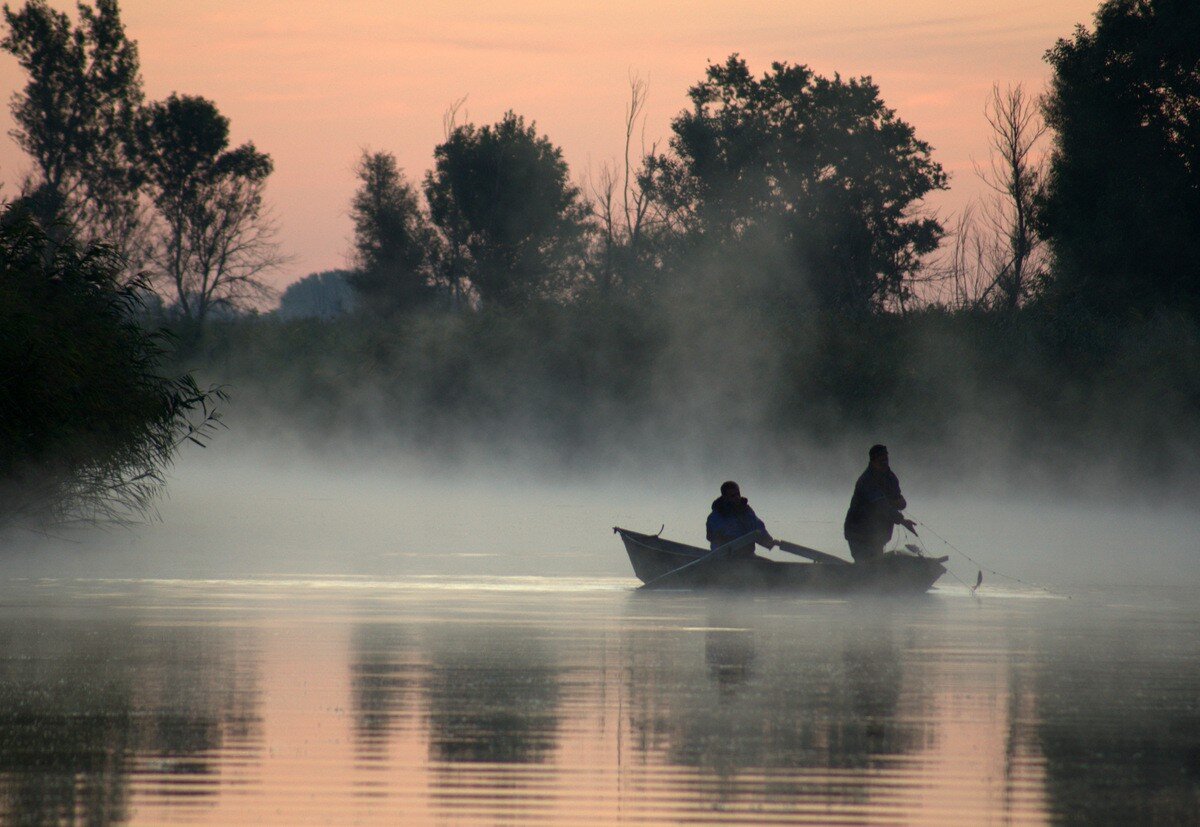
240	509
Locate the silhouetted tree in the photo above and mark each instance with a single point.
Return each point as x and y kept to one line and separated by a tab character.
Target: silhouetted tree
817	171
393	241
1015	174
214	240
629	222
998	260
1122	208
502	198
324	295
87	423
75	119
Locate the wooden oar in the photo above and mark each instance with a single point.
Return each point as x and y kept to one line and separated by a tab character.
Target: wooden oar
740	541
811	553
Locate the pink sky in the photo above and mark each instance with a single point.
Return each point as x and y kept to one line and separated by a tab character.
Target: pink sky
313	82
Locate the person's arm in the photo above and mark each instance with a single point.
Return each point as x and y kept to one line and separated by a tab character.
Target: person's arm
882	505
896	517
893	492
899	503
764	537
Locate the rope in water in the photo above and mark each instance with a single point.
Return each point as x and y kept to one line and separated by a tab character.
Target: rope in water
976	563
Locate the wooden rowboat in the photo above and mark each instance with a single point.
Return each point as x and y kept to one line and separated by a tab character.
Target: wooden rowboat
659	563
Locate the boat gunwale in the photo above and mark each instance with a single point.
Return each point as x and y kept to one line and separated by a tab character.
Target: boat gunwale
655	545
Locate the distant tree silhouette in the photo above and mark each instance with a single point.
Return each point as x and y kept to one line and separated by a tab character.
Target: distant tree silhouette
324	295
816	170
1122	207
394	243
75	118
502	197
87	422
214	241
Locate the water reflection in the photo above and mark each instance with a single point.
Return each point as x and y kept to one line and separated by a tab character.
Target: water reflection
1118	721
281	705
784	691
86	705
729	654
383	677
491	695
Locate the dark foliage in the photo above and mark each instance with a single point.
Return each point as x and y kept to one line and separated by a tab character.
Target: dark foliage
502	198
75	118
1122	210
324	295
997	397
817	170
395	246
87	423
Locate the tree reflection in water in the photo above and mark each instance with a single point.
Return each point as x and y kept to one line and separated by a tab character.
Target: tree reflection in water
492	695
481	693
384	670
83	704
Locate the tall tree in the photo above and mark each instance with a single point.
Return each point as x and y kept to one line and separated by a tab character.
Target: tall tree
817	170
630	224
998	260
215	240
1122	207
394	243
501	195
75	119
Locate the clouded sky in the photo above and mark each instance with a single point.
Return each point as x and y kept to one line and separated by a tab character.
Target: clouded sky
314	82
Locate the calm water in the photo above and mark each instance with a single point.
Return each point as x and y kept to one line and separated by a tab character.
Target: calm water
560	700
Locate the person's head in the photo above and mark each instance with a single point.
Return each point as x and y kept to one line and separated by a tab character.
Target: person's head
878	455
731	491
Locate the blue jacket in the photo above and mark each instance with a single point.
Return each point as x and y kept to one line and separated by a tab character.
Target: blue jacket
728	522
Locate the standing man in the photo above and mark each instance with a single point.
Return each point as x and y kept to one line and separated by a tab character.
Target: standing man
875	508
731	518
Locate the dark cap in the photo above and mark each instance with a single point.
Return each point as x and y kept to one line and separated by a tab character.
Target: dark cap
876	450
729	485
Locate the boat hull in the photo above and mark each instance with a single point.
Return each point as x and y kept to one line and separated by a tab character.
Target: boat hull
654	558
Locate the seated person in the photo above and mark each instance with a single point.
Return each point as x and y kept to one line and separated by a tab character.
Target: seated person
731	518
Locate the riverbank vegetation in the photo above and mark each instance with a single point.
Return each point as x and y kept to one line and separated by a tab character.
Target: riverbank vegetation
89	422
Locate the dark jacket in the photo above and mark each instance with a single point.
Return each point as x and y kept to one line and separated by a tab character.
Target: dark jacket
874	508
729	521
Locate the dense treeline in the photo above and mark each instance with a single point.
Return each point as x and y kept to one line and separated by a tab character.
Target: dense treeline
1013	400
766	286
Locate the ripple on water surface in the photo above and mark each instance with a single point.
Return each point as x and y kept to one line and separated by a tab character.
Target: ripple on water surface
317	699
